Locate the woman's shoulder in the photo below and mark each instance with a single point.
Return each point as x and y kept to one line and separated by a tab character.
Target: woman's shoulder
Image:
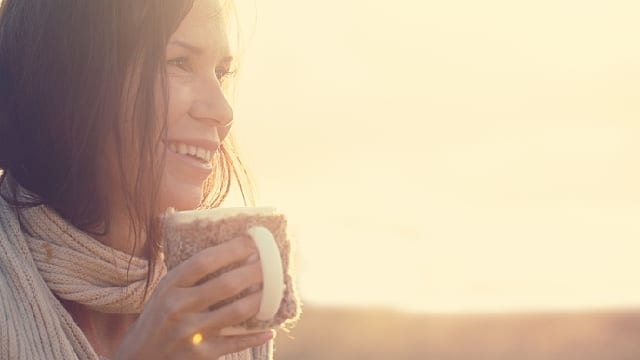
13	247
11	299
15	273
27	315
18	274
29	325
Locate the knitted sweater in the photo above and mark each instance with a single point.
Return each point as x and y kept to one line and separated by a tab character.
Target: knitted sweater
33	323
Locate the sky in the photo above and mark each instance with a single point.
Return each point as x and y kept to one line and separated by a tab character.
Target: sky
449	156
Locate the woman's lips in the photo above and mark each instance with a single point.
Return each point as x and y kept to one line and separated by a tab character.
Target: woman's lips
189	165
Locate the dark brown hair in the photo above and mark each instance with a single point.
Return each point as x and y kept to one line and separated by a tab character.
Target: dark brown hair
65	77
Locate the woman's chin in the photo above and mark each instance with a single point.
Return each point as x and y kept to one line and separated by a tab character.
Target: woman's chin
180	196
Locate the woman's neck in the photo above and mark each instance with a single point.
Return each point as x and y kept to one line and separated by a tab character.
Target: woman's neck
122	237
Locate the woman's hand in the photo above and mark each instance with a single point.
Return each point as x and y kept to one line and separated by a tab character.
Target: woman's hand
178	308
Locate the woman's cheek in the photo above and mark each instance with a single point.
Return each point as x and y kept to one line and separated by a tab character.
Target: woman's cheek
180	95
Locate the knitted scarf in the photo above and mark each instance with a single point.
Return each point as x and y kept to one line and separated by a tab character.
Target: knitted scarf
50	257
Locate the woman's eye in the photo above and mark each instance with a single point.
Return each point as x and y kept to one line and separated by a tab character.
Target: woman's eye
181	62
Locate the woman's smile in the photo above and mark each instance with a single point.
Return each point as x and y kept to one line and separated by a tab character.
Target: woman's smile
191	157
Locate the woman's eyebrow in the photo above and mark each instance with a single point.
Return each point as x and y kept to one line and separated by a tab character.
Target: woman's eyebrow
198	50
192	48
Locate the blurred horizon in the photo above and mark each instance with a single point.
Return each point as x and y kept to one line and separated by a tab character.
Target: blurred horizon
452	156
382	334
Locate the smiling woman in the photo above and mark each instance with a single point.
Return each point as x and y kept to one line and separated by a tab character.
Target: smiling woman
115	112
199	61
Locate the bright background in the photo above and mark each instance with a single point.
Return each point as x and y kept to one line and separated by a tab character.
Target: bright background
448	156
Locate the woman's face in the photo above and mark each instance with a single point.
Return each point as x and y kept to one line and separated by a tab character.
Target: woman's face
198	59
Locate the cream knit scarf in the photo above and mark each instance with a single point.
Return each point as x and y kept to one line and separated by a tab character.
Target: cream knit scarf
53	258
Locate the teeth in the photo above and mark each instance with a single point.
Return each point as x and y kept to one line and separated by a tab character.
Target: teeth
198	152
182	149
201	153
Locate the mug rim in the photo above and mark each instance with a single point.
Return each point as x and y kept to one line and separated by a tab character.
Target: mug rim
221	212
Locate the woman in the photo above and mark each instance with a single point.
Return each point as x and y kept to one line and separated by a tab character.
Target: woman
110	113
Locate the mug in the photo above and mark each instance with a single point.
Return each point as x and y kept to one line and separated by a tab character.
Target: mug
188	232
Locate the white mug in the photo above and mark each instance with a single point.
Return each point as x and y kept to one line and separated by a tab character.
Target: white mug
273	283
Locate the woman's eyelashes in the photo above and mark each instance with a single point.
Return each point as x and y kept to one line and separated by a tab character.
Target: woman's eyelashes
181	62
184	63
223	73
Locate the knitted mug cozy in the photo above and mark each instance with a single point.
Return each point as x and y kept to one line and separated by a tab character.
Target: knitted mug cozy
188	232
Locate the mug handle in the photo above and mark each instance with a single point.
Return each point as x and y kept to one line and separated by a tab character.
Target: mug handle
272	279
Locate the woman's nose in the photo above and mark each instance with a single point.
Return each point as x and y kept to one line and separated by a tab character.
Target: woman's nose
210	104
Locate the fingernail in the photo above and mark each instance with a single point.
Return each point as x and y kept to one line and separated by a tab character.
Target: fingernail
270	335
253	258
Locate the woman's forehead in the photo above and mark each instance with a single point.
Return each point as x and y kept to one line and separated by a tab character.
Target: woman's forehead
208	12
205	25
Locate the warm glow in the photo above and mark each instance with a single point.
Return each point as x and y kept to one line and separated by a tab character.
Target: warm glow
451	155
196	339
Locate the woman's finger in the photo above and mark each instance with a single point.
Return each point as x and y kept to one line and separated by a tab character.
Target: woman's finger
213	348
203	329
231	344
237	312
223	287
211	260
